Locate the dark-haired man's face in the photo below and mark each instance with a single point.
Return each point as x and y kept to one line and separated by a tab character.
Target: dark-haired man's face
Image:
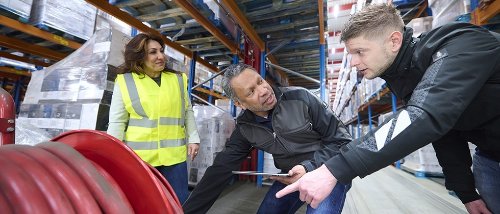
371	57
253	92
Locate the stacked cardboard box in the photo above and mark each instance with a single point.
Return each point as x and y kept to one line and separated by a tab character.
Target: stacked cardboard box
420	25
21	8
75	93
423	161
75	17
446	11
215	128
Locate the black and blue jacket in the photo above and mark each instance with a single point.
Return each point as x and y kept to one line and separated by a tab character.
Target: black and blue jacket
450	80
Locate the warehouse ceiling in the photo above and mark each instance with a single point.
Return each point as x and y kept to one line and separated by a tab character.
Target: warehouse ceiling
289	29
289	26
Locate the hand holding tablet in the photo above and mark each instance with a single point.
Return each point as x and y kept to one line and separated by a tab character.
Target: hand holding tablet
260	173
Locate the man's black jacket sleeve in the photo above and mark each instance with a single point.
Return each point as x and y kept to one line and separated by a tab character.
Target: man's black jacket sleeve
218	175
333	132
454	156
448	86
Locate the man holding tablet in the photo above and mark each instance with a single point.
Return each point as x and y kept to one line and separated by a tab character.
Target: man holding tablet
293	125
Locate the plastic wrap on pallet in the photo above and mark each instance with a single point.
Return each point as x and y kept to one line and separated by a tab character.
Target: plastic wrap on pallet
445	11
269	164
75	93
214	128
384	117
224	104
55	118
218	84
423	162
106	21
75	17
28	134
177	61
202	74
86	75
21	8
420	25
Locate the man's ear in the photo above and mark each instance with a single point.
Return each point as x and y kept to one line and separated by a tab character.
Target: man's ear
238	104
396	41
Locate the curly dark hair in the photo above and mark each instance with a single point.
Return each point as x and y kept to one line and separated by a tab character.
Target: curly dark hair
231	72
135	53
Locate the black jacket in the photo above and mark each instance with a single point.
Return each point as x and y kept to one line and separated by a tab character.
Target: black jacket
450	78
305	132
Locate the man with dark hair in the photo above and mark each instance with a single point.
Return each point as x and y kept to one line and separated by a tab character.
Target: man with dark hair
292	124
449	79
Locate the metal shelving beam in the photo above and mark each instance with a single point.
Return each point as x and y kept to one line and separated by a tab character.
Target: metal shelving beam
248	29
210	92
237	14
207	48
28	29
24	59
481	16
197	40
132	21
372	100
286	26
9	76
14	71
322	58
200	18
161	15
293	72
30	48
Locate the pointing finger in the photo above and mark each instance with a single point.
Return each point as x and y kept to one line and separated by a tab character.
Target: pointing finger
288	189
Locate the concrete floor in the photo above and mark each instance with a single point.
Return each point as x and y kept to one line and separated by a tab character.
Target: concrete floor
388	191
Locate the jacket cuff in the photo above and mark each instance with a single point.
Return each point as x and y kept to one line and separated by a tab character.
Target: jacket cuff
467	196
340	169
308	165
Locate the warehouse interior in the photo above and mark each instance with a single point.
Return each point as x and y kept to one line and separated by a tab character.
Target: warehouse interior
59	60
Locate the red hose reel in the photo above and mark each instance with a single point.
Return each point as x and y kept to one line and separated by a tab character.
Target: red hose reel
85	171
7	118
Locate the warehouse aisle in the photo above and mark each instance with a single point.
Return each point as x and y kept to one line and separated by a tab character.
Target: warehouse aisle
394	191
388	191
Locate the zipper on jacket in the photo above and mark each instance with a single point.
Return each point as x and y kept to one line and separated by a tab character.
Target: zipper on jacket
299	129
256	125
275	136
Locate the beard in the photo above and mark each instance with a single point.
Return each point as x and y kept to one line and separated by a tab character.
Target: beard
386	64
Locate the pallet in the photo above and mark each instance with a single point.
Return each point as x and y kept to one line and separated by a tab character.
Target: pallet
13	14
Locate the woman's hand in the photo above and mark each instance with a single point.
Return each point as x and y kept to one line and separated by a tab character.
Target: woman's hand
193	149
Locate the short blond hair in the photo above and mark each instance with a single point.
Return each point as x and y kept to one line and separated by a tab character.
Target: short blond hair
373	21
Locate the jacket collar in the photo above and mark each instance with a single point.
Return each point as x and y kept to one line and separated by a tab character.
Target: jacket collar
401	77
403	59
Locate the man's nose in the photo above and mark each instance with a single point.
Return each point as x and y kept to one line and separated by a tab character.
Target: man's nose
354	60
262	90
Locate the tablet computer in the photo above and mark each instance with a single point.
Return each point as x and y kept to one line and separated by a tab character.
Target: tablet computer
260	173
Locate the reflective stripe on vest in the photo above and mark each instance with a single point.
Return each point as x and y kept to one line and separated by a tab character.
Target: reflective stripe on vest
181	84
145	122
134	95
154	145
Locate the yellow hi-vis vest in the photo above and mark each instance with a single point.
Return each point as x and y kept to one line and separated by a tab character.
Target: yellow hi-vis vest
156	127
